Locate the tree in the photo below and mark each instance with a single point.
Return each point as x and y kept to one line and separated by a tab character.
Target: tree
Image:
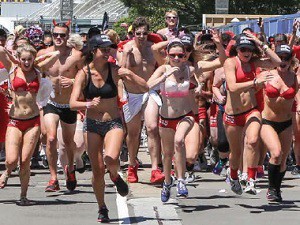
190	11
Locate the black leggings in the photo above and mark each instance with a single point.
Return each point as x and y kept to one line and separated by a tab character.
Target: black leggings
223	145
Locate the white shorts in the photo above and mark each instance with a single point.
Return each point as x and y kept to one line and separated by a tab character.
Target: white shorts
135	103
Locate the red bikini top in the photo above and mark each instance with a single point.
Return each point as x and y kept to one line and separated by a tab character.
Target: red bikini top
241	75
19	84
273	92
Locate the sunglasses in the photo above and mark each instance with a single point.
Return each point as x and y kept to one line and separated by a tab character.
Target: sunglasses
105	50
140	33
246	50
48	44
171	17
62	35
179	55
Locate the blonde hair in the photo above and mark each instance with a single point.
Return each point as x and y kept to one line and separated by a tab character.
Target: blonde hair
172	12
113	36
75	41
26	48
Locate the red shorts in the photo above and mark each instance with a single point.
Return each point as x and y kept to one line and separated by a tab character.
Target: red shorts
172	122
238	119
213	115
23	125
202	113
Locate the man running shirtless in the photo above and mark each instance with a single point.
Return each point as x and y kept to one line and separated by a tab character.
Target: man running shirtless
62	74
137	56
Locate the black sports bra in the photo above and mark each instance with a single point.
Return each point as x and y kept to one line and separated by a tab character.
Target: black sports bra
108	90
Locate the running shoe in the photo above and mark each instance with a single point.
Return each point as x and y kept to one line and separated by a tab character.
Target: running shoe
166	192
45	163
218	168
214	156
274	195
121	185
132	176
52	186
157	177
103	215
296	171
251	187
34	164
203	162
260	172
243	177
182	191
235	184
71	181
190	177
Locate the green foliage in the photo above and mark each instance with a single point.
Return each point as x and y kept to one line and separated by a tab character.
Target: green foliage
190	11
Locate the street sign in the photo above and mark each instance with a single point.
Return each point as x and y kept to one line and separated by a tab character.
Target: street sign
66	10
221	6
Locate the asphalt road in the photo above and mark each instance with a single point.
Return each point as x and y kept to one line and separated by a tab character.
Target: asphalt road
210	201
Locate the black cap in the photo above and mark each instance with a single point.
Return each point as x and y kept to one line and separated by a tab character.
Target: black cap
244	42
187	39
93	31
99	40
3	33
283	49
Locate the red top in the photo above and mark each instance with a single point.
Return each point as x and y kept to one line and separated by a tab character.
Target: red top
241	75
273	92
19	84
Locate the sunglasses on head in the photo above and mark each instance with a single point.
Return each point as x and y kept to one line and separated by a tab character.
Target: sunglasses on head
245	50
62	35
171	17
179	55
140	33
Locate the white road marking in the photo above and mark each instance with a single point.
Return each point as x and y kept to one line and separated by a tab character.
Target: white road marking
151	211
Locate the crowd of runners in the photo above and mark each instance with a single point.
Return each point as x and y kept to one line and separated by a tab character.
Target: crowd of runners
70	99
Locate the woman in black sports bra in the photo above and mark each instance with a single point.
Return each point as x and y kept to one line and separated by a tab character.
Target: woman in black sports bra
98	81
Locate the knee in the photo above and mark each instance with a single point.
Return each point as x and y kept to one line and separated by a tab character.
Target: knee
251	142
276	156
152	129
109	160
99	171
179	143
51	139
11	163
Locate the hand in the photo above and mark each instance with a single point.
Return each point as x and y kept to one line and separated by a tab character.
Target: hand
94	103
171	71
252	37
215	36
123	72
221	100
65	82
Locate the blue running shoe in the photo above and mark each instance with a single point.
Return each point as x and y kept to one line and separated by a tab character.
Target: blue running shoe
182	191
166	192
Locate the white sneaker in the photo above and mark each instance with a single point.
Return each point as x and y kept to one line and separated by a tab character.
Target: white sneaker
243	179
235	184
190	177
251	187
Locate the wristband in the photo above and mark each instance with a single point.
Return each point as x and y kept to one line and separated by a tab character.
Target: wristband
88	105
73	81
265	47
254	82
